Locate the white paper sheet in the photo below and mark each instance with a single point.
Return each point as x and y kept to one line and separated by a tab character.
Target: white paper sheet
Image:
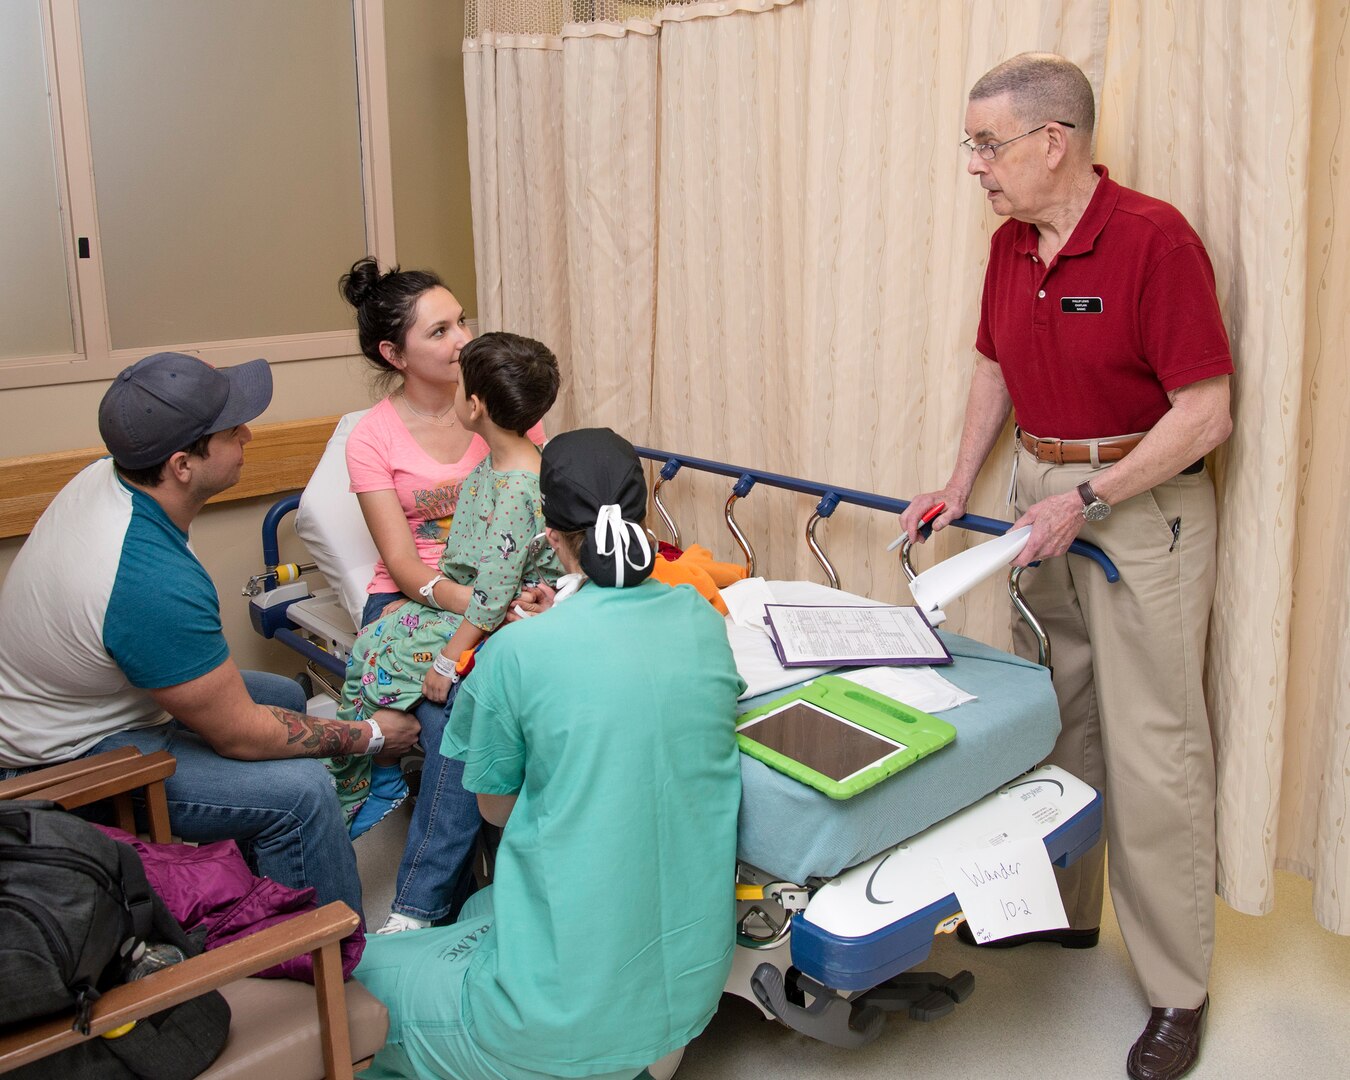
920	687
939	585
1005	887
745	602
853	635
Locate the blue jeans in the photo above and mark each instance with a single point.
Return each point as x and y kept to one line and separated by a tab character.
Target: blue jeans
433	877
284	813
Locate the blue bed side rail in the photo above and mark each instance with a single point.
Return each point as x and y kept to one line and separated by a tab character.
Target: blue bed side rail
275	622
271	523
831	496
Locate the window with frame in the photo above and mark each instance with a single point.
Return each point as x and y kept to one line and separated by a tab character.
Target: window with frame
185	174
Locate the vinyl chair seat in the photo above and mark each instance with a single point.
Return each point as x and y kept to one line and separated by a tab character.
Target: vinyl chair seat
277	1027
274	1030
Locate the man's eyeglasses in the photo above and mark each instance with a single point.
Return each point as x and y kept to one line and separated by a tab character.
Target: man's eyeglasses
988	150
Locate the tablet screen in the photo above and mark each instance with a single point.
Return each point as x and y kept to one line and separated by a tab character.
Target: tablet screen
820	740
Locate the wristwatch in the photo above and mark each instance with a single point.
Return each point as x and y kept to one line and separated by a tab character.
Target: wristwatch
1094	507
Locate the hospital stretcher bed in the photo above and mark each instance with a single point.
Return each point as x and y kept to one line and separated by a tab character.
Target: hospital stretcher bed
837	901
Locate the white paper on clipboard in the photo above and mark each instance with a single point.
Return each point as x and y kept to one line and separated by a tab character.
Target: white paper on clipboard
840	635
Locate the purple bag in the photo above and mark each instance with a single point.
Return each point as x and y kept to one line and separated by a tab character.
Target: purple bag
210	886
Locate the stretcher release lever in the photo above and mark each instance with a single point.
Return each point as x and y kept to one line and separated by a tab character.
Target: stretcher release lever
792	898
282	574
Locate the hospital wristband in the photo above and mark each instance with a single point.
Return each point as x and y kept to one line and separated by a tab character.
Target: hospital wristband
443	665
428	591
376	743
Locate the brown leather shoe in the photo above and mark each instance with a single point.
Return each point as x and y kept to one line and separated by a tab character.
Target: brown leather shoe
1170	1044
1066	939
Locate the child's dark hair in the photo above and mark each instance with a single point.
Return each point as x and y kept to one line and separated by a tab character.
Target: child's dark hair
386	305
515	377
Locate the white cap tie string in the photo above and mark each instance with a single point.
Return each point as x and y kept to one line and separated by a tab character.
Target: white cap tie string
611	539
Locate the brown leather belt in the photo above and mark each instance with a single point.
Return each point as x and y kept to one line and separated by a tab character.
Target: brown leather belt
1078	451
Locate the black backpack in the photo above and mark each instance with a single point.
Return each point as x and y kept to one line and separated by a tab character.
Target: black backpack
75	907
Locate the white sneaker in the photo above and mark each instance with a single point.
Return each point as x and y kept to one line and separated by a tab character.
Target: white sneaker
397	923
665	1068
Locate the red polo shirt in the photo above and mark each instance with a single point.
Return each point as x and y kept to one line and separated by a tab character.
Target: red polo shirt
1090	346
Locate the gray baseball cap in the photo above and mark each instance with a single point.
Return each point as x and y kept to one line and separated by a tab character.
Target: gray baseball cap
166	402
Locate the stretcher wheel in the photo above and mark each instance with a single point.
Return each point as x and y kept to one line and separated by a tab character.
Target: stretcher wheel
923	995
960	986
829	1018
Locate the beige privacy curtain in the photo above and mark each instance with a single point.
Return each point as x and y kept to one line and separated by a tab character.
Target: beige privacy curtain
747	231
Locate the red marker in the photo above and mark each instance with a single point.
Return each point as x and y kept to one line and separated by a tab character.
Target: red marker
927	520
925	526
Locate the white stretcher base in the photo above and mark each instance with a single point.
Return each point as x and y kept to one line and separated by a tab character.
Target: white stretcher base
879	918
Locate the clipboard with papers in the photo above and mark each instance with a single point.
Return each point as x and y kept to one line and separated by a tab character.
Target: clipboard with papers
848	636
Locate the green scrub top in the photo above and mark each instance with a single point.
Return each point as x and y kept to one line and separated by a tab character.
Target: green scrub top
612	716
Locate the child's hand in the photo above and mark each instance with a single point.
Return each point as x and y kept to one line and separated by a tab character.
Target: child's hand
533	600
435	686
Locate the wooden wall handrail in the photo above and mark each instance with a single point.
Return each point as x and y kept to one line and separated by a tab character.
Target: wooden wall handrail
280	458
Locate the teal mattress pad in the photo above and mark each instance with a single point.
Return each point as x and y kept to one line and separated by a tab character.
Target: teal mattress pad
795	833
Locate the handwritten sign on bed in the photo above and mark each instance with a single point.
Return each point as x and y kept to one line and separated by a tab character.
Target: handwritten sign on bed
1006	888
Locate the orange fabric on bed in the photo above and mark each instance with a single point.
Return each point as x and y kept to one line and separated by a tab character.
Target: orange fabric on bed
696	567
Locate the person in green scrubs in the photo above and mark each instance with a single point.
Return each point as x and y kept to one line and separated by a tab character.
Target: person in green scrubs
600	735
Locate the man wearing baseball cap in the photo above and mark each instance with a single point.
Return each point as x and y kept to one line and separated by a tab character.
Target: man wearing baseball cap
110	635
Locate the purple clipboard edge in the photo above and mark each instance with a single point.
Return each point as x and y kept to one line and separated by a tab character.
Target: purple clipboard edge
894	661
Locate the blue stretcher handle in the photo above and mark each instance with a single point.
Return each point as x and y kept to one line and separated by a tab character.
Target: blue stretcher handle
270	545
970	522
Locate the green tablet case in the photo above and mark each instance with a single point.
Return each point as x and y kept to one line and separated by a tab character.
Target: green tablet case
920	732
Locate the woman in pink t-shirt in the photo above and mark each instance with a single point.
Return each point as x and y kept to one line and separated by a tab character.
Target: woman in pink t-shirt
407	458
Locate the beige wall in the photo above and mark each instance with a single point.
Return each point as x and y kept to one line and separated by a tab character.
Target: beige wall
429	135
430	166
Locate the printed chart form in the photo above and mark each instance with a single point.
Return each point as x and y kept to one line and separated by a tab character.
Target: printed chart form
812	636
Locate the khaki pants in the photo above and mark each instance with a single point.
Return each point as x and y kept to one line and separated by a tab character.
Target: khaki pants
1128	660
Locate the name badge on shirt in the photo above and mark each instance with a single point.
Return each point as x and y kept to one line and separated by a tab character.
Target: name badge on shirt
1081	305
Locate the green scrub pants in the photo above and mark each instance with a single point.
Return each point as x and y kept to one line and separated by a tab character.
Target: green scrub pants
419	975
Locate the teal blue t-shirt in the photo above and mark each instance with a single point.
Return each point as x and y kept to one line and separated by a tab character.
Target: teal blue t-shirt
612	716
105	603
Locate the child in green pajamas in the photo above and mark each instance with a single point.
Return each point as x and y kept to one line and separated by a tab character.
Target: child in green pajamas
506	385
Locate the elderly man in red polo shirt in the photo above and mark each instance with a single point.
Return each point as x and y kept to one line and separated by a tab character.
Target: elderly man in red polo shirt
1100	329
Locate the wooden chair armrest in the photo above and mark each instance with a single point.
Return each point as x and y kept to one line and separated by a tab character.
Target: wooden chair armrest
115	780
22	787
317	932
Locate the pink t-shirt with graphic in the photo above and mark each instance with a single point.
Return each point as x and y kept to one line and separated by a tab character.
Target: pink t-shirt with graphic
383	455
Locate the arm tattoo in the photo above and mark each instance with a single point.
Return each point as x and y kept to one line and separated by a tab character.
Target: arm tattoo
319	737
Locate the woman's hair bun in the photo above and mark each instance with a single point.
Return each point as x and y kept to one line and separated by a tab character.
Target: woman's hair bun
386	305
360	281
